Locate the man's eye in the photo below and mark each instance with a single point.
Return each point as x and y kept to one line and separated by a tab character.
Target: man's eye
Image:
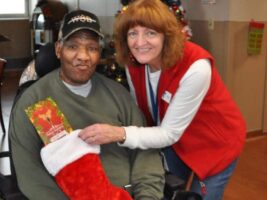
71	46
93	49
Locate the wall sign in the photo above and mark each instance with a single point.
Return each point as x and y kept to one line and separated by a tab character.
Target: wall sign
255	36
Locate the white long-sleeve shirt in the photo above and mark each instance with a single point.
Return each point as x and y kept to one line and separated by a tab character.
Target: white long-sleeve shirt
182	108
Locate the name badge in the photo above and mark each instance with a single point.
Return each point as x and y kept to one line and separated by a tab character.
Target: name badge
167	96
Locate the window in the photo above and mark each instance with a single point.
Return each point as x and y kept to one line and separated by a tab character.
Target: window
14	9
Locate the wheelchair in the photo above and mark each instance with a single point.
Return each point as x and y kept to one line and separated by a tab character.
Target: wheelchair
45	62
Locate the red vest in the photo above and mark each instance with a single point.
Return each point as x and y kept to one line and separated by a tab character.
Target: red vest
216	134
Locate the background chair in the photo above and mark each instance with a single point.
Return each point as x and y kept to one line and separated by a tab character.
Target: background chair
8	183
2	68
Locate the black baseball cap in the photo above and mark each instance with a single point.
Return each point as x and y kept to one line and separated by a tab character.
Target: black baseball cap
78	20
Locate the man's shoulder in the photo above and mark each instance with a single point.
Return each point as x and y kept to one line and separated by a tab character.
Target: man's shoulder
34	89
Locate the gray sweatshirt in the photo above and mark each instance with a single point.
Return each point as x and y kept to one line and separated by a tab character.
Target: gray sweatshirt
108	102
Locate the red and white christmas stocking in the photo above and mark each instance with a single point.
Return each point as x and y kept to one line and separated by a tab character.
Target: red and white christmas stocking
77	169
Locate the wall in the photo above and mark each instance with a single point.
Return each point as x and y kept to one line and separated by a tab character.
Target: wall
222	29
241	10
196	10
264	121
17	51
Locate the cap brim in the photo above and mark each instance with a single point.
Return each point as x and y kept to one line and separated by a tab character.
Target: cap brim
83	28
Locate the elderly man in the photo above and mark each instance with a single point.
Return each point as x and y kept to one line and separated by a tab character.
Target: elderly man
84	97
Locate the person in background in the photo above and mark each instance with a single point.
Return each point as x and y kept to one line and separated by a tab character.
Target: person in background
84	97
190	113
28	73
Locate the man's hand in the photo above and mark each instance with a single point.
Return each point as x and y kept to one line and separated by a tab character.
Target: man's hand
102	134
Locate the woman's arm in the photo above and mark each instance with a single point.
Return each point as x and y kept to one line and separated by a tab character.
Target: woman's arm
182	109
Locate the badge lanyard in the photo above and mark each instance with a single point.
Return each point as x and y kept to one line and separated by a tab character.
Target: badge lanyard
153	100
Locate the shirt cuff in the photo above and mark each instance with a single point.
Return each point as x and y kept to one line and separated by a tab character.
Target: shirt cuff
131	137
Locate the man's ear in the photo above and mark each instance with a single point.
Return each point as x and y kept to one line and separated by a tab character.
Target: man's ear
58	46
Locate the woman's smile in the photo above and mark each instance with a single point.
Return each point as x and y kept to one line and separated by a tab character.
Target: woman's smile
146	45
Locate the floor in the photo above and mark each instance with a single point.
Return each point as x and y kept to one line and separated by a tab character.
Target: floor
249	181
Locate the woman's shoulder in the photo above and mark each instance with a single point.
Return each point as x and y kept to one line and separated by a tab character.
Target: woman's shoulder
193	47
193	51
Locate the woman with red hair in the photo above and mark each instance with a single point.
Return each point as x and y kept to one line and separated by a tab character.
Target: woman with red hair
191	115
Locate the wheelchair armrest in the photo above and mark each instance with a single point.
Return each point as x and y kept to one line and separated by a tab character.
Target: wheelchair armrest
173	184
8	184
175	189
9	189
184	195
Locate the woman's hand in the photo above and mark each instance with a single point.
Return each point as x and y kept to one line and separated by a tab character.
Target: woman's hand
102	134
